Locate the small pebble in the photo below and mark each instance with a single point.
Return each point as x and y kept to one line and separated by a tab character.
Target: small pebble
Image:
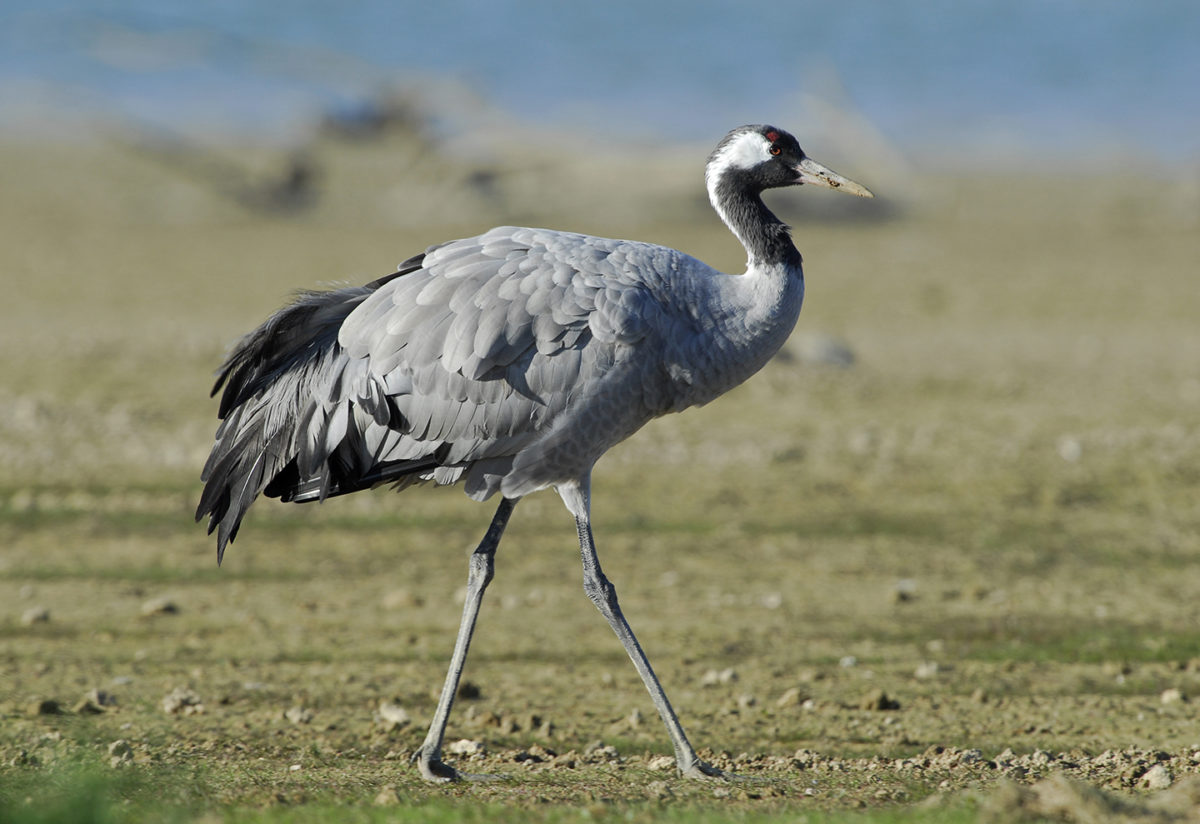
392	716
927	669
160	606
465	746
904	591
101	698
120	753
85	706
878	700
182	701
298	715
713	677
1172	696
661	762
1157	777
791	698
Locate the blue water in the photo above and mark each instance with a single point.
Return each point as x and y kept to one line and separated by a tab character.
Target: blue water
999	78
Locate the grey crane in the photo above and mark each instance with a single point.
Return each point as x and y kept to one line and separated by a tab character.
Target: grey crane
510	362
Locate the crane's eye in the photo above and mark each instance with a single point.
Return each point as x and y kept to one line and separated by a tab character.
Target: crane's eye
775	150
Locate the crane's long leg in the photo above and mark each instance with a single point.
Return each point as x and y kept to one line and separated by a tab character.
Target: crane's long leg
482	568
604	595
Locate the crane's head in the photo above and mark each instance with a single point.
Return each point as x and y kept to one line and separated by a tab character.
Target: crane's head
764	157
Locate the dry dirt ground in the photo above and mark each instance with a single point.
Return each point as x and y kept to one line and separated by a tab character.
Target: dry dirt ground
941	555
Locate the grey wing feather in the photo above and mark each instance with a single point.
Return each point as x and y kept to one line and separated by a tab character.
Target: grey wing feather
479	361
491	342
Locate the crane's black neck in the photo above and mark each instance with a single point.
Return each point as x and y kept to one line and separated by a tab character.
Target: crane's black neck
768	240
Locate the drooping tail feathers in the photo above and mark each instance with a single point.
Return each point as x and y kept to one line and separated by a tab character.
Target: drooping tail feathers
270	380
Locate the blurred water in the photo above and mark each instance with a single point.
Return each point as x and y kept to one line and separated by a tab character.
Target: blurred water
978	78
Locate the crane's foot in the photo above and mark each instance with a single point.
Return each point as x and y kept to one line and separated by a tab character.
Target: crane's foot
436	771
707	772
703	771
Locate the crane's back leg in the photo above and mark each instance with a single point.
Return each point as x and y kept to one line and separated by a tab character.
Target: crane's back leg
604	595
482	568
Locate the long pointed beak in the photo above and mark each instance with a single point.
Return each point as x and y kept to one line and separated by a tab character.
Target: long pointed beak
813	172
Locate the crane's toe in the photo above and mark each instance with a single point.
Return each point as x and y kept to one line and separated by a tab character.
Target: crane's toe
436	771
707	772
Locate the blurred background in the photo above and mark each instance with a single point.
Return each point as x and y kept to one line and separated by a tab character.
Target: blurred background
980	82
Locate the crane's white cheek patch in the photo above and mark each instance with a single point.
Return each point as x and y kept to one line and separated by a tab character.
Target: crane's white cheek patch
743	152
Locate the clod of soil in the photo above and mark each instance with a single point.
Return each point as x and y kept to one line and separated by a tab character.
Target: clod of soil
182	701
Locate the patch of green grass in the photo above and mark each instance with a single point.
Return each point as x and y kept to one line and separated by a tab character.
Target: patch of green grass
89	793
82	793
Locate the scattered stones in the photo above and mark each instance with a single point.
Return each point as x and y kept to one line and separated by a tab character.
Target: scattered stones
161	605
24	758
392	716
182	701
712	677
100	698
120	753
466	747
877	699
35	615
1157	777
1062	798
542	753
599	751
661	762
298	715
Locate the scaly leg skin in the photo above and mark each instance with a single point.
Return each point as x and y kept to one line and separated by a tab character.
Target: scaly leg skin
602	593
428	756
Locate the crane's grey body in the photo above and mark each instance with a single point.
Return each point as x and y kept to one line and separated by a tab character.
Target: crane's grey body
509	362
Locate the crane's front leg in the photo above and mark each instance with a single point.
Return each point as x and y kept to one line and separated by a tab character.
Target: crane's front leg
482	568
602	593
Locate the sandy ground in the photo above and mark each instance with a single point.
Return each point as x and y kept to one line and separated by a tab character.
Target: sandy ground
964	563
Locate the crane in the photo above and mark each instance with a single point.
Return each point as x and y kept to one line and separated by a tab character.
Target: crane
510	362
